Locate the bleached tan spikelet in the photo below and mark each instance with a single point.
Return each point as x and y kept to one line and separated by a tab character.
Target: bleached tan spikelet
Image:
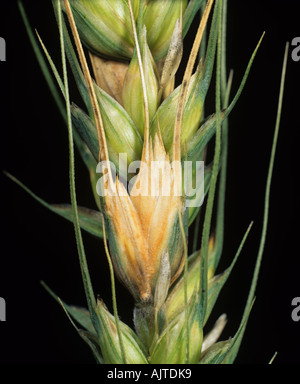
143	221
109	75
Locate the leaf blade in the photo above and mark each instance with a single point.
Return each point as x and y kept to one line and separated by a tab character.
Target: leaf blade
88	218
250	299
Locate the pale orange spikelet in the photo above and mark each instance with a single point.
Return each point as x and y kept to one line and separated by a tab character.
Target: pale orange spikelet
143	221
129	234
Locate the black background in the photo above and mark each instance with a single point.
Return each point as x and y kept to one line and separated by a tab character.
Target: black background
37	245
